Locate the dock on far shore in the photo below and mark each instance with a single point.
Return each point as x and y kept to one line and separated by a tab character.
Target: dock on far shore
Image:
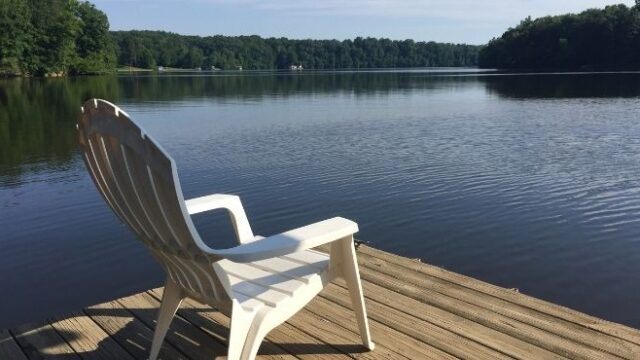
416	311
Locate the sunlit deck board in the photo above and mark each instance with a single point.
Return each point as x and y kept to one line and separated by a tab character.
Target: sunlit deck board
42	341
417	311
128	331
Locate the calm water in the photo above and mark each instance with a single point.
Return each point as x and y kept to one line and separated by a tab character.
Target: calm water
525	181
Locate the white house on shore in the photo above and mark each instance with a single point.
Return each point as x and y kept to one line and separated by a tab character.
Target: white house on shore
296	67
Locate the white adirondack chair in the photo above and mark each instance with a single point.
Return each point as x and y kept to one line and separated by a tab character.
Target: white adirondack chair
259	284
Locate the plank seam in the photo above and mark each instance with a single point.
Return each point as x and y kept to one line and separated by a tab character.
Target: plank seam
323	342
108	334
434	324
372	252
330	345
49	321
177	348
377	322
15	339
522	338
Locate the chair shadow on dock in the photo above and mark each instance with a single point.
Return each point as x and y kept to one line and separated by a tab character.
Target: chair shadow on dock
120	330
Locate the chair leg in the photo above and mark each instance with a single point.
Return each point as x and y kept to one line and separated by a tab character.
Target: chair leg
171	299
239	331
254	339
352	277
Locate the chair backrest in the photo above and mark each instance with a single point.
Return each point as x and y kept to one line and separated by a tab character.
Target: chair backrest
139	181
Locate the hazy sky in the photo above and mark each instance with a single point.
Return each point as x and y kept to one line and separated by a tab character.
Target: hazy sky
469	21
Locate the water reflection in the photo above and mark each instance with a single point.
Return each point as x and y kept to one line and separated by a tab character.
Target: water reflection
581	85
37	121
37	116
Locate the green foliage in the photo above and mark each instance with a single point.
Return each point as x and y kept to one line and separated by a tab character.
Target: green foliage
254	52
72	37
94	49
54	25
595	38
54	36
15	30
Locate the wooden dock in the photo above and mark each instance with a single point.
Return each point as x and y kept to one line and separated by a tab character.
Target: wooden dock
417	311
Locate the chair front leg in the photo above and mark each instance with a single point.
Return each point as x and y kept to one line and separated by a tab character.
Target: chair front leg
239	329
343	260
171	298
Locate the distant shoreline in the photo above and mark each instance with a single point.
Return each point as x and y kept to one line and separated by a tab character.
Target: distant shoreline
435	70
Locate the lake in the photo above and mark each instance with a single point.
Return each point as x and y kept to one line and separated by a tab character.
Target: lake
528	181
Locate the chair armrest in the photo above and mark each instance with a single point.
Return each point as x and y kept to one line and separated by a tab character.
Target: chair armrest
299	239
222	201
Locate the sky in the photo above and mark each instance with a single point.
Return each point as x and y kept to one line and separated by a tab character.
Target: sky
458	21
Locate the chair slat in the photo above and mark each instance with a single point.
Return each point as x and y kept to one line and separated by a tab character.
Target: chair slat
213	287
309	257
268	296
291	269
256	275
166	194
101	179
141	204
110	151
139	177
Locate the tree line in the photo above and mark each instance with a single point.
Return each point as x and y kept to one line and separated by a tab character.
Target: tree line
592	39
54	37
148	49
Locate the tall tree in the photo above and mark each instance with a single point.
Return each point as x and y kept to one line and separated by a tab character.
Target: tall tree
15	34
55	25
54	36
94	46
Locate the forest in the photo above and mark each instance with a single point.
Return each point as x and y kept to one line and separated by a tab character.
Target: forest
148	49
67	37
59	37
594	39
54	37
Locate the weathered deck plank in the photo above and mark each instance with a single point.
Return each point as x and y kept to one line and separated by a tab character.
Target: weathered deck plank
440	337
128	331
190	340
9	348
399	343
544	307
416	311
87	339
43	342
483	311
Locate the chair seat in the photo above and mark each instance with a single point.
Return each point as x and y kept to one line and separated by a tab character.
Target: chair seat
276	281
